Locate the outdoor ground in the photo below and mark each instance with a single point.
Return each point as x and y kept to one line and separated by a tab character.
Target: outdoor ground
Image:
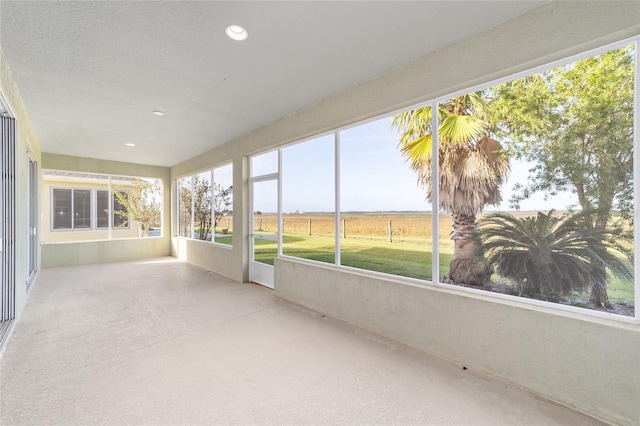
365	244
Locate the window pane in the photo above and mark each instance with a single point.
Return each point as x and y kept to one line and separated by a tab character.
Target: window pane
184	207
265	220
223	204
62	209
385	218
264	164
82	209
102	207
308	199
140	202
120	212
202	206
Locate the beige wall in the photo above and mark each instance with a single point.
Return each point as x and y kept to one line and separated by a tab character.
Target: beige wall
78	253
26	144
583	362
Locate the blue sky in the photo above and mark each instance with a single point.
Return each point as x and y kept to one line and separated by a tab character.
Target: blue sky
374	176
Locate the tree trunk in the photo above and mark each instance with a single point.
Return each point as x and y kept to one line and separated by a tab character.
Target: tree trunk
467	267
599	297
464	229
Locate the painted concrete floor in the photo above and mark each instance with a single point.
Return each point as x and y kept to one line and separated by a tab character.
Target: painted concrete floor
162	342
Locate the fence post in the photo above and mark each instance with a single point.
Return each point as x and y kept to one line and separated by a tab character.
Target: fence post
390	232
309	226
344	228
260	225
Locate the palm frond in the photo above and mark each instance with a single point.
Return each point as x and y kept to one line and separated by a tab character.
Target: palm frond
460	129
550	255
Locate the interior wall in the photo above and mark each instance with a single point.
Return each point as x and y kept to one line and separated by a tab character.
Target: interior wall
78	253
26	142
587	363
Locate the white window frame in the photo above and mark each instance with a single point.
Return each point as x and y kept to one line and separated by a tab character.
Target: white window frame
191	179
73	227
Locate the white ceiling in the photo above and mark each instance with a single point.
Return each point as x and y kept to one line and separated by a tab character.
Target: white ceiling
91	73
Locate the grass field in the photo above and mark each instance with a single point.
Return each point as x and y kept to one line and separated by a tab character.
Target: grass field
365	244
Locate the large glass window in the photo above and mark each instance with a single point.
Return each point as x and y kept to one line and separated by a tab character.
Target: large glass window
385	221
535	183
205	205
563	231
129	206
531	184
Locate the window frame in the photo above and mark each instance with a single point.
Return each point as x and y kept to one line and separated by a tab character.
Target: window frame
190	178
73	228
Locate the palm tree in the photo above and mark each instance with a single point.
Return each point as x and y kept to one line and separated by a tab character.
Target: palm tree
471	166
548	256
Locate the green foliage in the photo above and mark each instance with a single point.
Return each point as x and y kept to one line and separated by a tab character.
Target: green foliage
472	166
575	123
549	256
141	203
202	207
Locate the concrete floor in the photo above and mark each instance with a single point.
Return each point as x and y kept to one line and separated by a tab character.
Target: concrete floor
162	342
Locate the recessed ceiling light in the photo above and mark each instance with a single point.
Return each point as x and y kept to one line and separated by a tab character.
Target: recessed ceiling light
130	144
160	113
236	32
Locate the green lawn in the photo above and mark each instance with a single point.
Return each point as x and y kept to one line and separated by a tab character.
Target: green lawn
408	257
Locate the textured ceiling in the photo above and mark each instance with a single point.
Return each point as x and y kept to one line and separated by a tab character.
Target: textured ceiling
91	73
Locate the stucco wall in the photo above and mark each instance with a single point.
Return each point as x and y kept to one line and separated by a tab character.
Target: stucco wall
78	253
209	256
587	363
84	252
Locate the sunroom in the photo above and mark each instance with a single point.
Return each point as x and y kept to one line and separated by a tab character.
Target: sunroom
445	189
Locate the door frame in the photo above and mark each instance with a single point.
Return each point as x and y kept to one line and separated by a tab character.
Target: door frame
32	226
259	272
7	222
